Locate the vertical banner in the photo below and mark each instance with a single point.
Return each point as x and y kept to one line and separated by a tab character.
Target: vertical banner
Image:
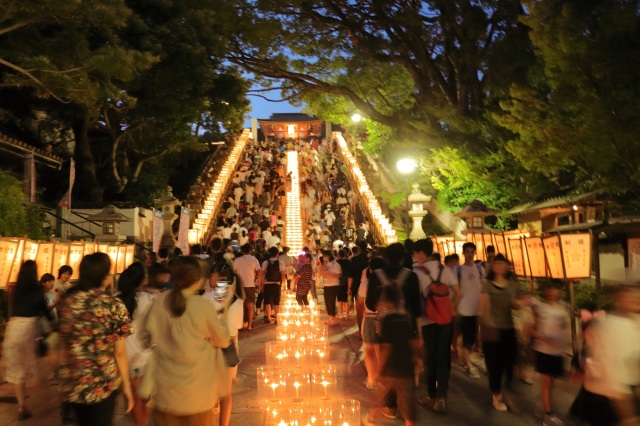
44	259
30	177
158	229
66	200
8	250
517	257
183	231
576	254
554	256
535	252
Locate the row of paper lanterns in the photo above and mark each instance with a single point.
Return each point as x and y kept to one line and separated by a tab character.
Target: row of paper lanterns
50	256
380	221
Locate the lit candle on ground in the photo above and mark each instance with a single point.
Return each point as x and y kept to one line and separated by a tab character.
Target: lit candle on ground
274	386
297	385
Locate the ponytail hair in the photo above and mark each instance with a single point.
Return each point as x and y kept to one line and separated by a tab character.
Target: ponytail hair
128	284
185	272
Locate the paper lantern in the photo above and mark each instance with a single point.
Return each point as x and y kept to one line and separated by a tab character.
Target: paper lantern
76	252
44	259
8	250
60	256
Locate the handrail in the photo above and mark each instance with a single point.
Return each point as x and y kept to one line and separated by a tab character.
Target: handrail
85	218
69	223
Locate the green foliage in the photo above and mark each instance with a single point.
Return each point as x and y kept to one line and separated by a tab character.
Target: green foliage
576	116
132	81
17	218
588	297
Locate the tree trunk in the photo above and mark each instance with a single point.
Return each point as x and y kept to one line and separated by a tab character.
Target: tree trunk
88	187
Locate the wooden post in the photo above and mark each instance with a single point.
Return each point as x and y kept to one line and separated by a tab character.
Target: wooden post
595	253
572	302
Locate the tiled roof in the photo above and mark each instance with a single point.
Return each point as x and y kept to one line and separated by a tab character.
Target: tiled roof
23	148
290	116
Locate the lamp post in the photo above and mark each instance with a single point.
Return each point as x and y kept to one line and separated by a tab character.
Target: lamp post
355	118
406	166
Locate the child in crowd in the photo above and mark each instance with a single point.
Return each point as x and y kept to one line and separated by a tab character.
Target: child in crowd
396	366
550	341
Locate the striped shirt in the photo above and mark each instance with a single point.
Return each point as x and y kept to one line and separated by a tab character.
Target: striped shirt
305	272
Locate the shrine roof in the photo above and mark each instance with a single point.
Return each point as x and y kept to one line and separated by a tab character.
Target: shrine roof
19	148
289	117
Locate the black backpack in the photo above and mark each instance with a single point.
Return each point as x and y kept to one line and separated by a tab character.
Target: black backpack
273	274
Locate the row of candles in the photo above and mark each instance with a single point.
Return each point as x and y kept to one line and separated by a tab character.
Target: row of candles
217	193
294	230
298	385
380	221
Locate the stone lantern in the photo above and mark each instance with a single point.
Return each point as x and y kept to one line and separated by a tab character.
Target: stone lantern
474	215
417	200
110	217
167	204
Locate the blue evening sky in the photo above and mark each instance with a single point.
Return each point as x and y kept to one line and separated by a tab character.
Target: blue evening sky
261	108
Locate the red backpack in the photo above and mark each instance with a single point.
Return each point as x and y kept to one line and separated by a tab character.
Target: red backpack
439	308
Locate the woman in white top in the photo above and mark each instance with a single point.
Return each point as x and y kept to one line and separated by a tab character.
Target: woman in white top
131	286
330	271
228	298
187	337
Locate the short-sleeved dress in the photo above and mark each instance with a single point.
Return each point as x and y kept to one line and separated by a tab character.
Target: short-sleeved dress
90	324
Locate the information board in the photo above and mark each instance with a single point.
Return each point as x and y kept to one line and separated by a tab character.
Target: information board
553	254
576	253
535	255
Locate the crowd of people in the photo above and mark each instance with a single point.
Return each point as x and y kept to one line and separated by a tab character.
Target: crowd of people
167	330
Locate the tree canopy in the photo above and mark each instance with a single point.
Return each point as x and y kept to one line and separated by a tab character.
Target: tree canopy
124	82
504	101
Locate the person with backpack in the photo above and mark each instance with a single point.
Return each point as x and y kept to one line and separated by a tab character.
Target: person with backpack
470	277
407	281
273	275
437	283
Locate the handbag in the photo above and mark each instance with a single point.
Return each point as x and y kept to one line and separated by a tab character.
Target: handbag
230	354
147	387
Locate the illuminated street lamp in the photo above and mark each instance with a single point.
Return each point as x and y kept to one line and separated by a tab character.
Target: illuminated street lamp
406	166
356	118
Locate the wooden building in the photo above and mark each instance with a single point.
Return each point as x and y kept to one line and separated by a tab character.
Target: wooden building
291	126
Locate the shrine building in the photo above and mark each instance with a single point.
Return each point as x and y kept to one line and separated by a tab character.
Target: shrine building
291	126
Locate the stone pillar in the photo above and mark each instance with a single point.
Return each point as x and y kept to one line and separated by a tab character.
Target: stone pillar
167	204
417	212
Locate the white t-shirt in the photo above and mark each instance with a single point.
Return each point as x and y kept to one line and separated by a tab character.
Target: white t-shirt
273	241
247	267
234	313
470	281
553	323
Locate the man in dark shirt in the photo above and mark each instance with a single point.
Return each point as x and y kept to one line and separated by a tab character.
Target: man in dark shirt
396	366
359	262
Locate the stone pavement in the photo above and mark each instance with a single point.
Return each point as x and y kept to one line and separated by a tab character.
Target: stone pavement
469	401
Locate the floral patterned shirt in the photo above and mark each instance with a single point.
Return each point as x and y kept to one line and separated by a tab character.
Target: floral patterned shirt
90	323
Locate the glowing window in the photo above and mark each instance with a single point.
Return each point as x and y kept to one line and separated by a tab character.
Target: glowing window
291	129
